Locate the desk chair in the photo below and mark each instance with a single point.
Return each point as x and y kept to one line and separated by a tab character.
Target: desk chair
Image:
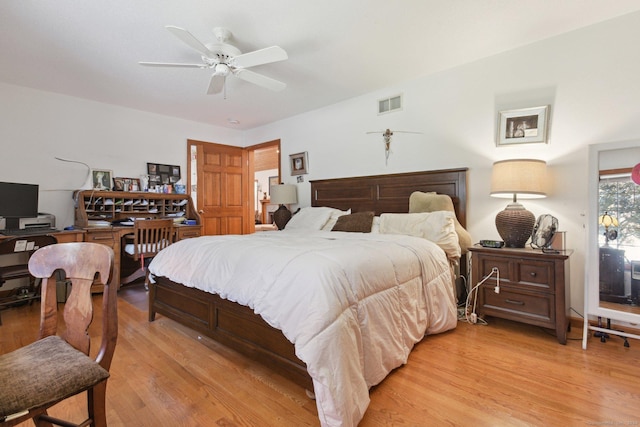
21	245
150	236
53	368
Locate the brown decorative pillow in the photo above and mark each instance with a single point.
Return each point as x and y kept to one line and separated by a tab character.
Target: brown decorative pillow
359	222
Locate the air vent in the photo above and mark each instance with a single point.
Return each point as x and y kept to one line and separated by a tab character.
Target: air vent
388	105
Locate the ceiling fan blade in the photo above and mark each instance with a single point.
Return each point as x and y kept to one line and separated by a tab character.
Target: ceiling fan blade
259	79
189	39
171	64
216	84
259	57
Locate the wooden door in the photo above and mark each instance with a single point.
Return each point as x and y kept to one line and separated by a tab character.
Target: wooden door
223	197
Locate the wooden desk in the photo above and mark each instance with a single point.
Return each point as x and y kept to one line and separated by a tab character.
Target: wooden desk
104	207
63	236
112	237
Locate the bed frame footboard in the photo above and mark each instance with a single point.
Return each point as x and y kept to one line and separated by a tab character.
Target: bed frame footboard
229	323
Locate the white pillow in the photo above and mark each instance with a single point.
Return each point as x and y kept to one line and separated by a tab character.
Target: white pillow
335	214
438	226
310	218
375	226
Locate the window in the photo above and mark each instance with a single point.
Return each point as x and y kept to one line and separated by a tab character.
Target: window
619	196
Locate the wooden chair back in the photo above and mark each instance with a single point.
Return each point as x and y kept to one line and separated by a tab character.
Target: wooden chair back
82	262
150	236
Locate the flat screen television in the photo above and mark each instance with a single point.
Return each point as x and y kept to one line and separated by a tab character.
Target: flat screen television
18	200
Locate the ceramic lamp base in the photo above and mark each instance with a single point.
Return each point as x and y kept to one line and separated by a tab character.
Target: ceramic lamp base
515	225
281	216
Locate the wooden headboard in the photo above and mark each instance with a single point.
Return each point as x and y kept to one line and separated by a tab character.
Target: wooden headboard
390	193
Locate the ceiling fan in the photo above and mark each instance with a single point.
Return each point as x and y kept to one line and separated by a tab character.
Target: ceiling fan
225	59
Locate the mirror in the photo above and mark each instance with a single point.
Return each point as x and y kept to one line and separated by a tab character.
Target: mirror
614	230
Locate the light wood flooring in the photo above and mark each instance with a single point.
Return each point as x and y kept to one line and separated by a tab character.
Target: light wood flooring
503	374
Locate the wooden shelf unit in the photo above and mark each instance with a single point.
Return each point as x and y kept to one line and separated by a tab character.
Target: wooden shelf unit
95	206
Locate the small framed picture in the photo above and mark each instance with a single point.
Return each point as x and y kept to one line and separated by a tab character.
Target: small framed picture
523	126
101	179
118	184
299	163
273	180
126	184
160	174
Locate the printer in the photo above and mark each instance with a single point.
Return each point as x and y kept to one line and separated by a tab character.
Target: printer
43	220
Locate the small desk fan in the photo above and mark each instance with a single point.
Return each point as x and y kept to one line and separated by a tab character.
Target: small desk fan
543	231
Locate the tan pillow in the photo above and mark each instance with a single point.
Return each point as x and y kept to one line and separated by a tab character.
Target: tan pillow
431	202
438	227
359	222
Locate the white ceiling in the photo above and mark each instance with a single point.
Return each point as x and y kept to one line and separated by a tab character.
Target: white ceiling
337	49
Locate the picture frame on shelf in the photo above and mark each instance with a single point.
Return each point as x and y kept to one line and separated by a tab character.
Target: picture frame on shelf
161	174
126	184
101	179
523	126
299	163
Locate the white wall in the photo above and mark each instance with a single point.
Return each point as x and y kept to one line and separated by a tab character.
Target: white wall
36	127
589	77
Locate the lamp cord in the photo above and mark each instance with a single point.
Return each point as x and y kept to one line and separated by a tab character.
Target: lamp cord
472	317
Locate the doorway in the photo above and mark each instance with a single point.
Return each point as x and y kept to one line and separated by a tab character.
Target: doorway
266	172
230	185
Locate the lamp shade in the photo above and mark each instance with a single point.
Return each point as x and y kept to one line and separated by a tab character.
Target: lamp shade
607	220
517	178
284	194
524	178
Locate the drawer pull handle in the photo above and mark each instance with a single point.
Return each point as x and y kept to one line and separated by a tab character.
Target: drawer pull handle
103	238
510	301
532	274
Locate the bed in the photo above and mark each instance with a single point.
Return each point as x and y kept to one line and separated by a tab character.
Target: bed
173	292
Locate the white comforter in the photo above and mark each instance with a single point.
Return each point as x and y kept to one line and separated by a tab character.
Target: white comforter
353	304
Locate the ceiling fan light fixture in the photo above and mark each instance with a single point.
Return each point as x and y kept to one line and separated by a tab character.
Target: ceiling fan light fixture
222	70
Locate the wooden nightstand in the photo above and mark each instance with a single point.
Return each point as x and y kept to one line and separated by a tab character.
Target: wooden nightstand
534	286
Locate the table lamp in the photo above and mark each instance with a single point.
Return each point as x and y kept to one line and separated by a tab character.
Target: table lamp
283	194
607	221
524	178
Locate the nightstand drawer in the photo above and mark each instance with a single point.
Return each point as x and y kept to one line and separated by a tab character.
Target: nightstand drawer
536	273
538	308
502	264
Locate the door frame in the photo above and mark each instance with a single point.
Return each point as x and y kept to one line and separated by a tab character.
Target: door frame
250	208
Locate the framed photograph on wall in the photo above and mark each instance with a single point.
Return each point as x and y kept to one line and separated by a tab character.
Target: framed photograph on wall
299	163
101	179
273	180
523	126
160	174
